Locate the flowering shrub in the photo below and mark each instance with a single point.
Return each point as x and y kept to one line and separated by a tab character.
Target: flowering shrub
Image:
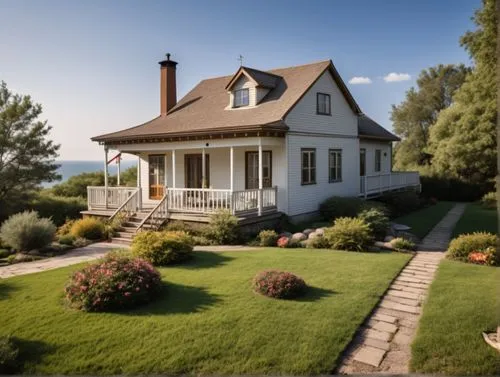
463	245
116	282
487	257
278	284
162	248
283	242
268	238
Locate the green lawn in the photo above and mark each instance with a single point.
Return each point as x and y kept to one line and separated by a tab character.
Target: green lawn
463	302
423	220
208	321
475	219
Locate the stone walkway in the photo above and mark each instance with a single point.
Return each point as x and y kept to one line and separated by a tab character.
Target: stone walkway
83	254
382	344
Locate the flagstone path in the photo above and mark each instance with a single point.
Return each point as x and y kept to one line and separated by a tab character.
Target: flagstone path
382	344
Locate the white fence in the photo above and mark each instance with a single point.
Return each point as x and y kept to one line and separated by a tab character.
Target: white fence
116	196
378	184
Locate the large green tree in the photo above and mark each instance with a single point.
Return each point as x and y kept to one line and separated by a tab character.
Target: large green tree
413	118
463	140
27	155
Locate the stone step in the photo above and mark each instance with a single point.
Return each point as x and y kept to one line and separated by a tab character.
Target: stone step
403	301
383	326
403	294
385	318
400	307
126	235
370	355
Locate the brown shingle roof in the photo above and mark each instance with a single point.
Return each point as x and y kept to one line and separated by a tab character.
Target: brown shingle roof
369	129
205	108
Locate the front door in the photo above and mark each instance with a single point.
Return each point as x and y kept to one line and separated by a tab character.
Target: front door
193	171
252	170
156	176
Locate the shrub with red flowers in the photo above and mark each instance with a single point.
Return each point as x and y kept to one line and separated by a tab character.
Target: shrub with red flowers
487	257
278	284
113	283
283	242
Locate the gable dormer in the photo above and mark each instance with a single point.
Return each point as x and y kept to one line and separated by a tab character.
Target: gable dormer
249	86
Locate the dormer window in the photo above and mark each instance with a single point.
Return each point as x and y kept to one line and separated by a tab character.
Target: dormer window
241	98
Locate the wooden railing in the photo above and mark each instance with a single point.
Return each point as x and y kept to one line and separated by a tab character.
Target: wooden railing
157	216
129	207
116	196
198	200
378	184
248	200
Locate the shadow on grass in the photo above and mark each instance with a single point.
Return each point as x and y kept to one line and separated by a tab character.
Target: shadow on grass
6	289
315	294
205	259
178	299
30	351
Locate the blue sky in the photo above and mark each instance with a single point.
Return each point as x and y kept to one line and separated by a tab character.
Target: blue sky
93	64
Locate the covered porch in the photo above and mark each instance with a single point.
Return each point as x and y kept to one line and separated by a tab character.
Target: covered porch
241	175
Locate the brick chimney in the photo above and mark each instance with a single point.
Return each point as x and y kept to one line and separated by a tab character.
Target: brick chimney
168	87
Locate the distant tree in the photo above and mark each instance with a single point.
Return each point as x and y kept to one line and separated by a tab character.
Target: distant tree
77	184
27	155
463	140
413	118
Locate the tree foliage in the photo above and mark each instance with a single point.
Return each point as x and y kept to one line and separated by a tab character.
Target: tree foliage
413	118
463	140
26	153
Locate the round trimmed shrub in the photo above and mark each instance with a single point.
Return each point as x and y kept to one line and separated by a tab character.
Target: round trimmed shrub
489	200
283	242
114	283
278	284
348	233
268	238
377	220
89	228
402	244
162	248
463	245
222	228
26	231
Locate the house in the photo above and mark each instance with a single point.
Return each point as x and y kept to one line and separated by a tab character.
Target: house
258	143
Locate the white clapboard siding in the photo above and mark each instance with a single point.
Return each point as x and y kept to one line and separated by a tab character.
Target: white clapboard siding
370	147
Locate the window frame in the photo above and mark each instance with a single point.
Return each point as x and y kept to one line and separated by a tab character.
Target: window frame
329	107
243	90
338	165
378	162
309	151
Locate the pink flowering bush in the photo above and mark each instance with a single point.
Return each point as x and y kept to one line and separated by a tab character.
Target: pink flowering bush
283	242
487	257
113	283
278	284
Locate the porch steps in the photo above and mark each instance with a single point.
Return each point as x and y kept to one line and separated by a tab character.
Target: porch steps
129	228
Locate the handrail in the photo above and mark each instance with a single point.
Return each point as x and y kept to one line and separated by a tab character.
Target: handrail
157	208
130	198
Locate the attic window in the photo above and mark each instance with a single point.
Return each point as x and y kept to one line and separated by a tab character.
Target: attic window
241	98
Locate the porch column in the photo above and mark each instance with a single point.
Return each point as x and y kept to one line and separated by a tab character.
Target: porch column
106	177
173	168
231	176
203	169
260	177
118	170
139	201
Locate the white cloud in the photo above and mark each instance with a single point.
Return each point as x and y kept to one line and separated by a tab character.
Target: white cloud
360	80
395	77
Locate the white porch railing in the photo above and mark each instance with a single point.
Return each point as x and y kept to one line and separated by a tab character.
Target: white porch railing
378	184
96	197
129	206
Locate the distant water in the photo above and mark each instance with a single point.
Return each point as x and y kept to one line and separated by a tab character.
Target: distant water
70	168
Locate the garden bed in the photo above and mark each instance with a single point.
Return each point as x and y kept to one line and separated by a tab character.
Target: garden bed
207	321
462	303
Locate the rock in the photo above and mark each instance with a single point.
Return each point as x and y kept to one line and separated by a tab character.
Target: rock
383	245
285	234
388	238
314	235
299	236
400	227
320	231
307	231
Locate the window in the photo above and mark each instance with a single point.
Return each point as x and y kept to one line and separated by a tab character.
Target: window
323	107
335	165
252	169
241	98
308	166
378	160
